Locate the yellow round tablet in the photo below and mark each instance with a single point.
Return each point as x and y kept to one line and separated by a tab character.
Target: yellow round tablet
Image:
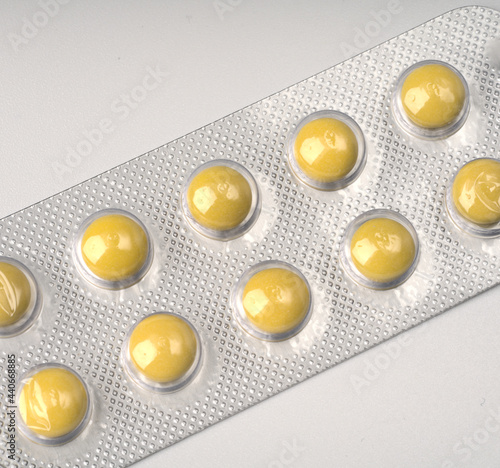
53	402
326	149
433	95
476	191
276	300
219	198
114	247
15	294
382	249
162	348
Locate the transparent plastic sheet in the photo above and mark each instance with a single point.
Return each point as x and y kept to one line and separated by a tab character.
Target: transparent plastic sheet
84	327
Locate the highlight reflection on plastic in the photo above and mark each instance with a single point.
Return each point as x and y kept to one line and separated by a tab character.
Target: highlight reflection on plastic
382	249
276	300
476	191
432	96
219	198
15	294
163	348
114	247
53	402
326	149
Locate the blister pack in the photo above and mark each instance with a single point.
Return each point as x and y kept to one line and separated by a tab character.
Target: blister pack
192	282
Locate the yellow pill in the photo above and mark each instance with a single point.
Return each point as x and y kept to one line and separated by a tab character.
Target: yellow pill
219	198
15	294
433	96
276	300
326	149
163	348
114	247
53	402
382	249
476	191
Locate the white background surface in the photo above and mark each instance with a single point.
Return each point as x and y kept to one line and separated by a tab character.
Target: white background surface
429	397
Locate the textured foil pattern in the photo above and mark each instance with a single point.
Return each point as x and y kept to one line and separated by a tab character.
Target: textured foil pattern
84	327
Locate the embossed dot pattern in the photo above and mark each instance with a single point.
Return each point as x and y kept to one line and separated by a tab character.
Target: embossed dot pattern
84	327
